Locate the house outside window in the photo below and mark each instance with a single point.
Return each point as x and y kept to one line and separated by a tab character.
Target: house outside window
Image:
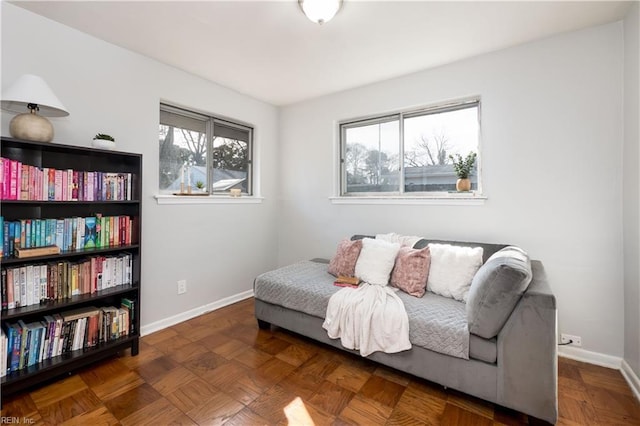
203	151
409	153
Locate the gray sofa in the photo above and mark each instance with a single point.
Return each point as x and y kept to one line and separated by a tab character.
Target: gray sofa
515	368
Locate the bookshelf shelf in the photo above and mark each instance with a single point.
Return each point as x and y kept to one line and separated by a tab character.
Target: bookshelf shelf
69	254
85	161
55	305
59	365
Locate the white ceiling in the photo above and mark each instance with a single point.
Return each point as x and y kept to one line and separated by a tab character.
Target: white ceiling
269	50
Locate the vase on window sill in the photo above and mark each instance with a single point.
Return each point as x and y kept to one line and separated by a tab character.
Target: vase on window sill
463	185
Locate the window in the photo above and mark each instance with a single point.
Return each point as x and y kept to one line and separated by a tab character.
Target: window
205	152
408	153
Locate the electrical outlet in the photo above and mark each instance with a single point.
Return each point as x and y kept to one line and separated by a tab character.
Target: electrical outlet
182	286
575	340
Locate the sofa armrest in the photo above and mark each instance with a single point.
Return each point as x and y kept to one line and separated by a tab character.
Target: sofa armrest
527	352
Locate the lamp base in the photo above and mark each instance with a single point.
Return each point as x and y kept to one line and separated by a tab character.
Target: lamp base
31	127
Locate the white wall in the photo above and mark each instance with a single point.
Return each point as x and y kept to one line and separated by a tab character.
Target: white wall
218	249
631	189
551	150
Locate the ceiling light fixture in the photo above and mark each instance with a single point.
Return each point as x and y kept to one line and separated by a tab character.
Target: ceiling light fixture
320	11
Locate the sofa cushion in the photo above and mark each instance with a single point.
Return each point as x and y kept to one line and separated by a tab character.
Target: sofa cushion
488	249
376	261
403	240
452	269
496	289
411	271
483	349
344	261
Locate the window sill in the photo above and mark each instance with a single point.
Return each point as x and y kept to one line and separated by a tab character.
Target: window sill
206	199
429	200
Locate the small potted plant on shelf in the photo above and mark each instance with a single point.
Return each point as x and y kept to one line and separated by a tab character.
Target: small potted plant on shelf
463	168
200	185
104	141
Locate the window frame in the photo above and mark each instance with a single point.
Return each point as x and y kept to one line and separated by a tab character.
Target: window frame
400	116
210	123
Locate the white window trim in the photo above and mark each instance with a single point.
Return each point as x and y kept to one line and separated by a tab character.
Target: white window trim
429	200
477	197
206	199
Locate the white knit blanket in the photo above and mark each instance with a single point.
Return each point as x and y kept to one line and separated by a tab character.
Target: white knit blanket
369	318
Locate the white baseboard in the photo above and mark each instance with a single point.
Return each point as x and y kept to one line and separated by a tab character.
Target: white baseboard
590	357
184	316
604	361
632	378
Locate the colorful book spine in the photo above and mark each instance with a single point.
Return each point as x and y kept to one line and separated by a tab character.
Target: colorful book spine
14	333
11	303
58	185
65	185
90	232
4	234
3	179
11	239
3	289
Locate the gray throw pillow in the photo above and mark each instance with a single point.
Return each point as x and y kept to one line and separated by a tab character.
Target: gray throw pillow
496	289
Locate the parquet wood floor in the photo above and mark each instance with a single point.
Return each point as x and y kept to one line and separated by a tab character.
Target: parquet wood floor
220	368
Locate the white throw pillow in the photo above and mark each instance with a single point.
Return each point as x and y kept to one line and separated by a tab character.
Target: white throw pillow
452	270
376	261
403	240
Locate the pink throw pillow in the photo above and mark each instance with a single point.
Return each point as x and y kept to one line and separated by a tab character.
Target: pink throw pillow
344	262
411	270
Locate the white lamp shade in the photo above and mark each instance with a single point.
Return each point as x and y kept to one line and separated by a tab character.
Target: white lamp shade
31	89
320	11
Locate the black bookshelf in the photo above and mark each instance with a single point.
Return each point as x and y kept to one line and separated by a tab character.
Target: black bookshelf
59	156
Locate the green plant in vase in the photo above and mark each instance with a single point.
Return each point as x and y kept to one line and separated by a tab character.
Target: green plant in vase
104	136
463	168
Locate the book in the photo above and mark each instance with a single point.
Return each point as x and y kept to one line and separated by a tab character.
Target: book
4	237
50	323
24	345
123	322
3	179
129	304
80	234
3	352
348	280
51	185
92	331
11	240
35	334
90	232
69	333
10	289
57	193
5	299
98	230
55	350
16	287
78	336
37	251
14	335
